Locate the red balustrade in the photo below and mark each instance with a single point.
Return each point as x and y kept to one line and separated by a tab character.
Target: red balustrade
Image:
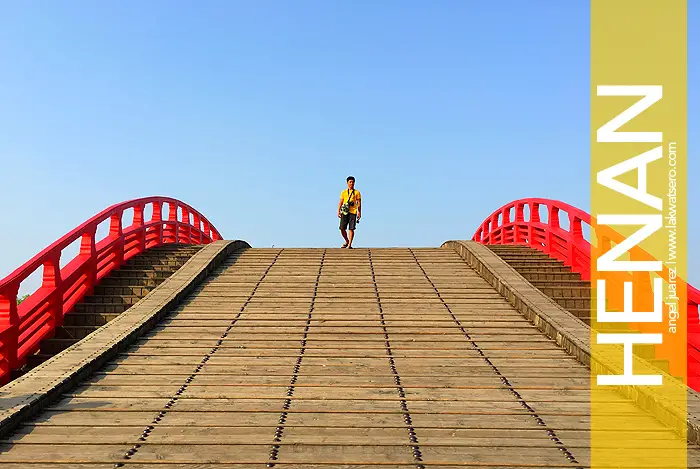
510	225
24	326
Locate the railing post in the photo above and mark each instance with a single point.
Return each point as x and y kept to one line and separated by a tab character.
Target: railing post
89	253
198	228
207	231
170	232
576	236
534	218
157	228
52	282
138	225
496	231
553	217
115	233
176	222
505	221
613	297
692	313
519	220
9	318
186	236
552	223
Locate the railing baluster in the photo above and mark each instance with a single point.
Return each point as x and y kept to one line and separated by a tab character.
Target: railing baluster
505	222
197	230
207	230
187	232
138	225
553	224
52	281
9	318
518	235
88	252
576	238
171	227
115	233
534	221
157	218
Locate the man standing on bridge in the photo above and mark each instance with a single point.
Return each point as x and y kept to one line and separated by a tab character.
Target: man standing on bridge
349	211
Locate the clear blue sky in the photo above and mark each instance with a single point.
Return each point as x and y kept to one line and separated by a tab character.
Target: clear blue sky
255	112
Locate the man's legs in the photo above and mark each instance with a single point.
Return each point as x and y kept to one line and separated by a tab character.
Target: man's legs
351	228
343	226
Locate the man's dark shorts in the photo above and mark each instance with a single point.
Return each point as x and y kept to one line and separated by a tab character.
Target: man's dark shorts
348	221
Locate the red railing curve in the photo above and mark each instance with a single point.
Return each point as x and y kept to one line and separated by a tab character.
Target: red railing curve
567	245
23	327
510	224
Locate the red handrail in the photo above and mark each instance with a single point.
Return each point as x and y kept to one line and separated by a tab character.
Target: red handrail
23	327
570	246
567	245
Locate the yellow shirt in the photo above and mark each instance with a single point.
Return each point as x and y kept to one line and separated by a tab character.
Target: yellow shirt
354	196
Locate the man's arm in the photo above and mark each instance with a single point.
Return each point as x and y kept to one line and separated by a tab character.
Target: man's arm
359	208
340	204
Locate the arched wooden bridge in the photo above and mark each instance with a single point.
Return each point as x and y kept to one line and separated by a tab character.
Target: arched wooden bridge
164	346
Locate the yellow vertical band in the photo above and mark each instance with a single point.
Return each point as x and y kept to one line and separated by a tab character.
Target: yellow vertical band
639	214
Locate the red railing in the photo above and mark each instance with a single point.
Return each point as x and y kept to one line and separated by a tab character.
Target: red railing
511	225
23	327
568	245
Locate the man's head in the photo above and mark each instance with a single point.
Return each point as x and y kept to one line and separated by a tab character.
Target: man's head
351	182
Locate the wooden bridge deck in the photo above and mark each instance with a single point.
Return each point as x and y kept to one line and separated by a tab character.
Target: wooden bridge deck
313	358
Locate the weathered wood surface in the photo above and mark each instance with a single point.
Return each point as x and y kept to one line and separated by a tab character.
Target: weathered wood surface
319	359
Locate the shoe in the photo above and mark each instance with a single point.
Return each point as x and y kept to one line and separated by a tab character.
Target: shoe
349	247
344	245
